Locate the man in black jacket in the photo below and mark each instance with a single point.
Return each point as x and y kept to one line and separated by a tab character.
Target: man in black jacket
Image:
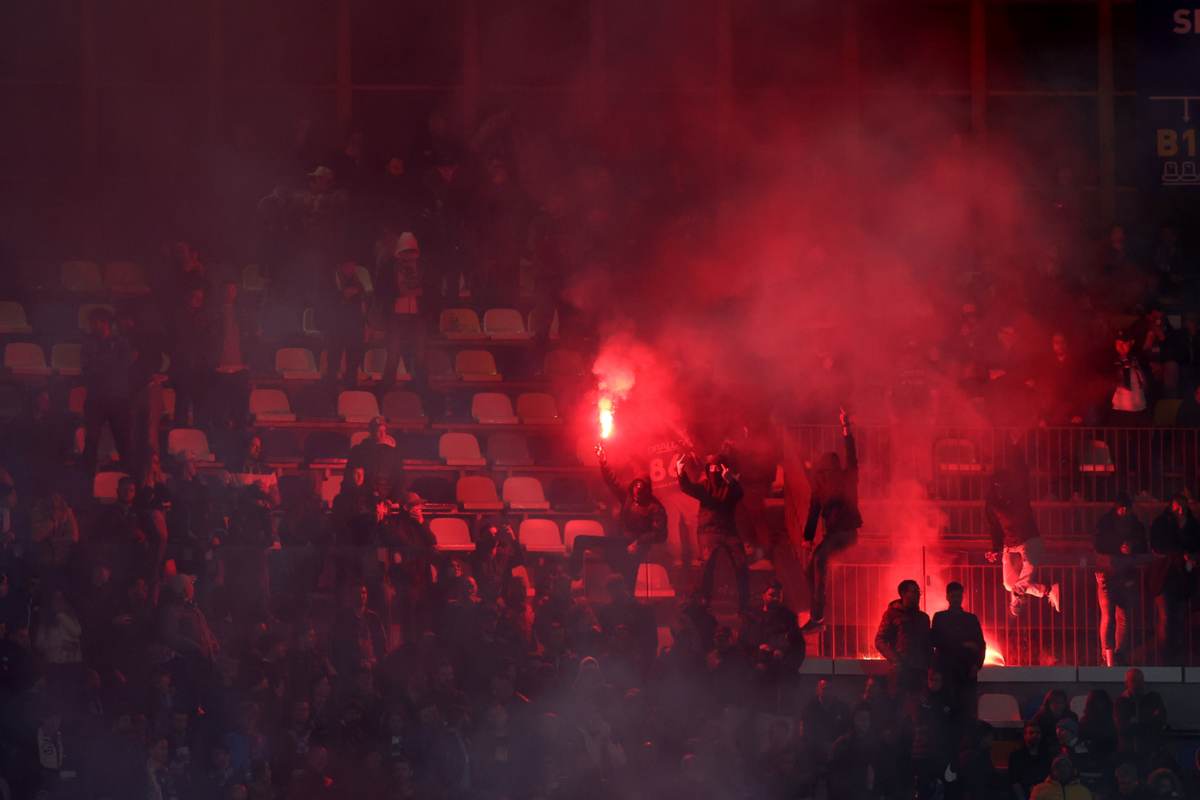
959	648
1120	543
903	639
719	492
834	499
1175	539
643	524
1016	543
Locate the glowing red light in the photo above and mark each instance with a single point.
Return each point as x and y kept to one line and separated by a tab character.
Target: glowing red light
606	417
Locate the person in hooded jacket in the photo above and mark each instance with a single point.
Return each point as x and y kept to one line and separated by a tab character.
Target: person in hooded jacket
643	525
904	639
719	492
834	499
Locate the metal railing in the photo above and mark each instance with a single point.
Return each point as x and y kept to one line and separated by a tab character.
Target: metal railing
1037	636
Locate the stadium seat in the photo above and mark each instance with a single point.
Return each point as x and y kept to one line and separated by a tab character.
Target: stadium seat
374	363
104	486
476	365
296	363
477	493
357	406
1166	411
537	408
403	408
540	536
452	535
326	447
492	408
1096	458
580	527
308	323
460	450
59	320
652	583
957	456
1000	710
459	323
253	279
434	490
525	494
271	405
509	450
83	317
125	277
65	358
563	364
189	443
504	323
82	277
25	358
12	318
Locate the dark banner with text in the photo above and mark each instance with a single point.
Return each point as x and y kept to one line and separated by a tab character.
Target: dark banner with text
1168	73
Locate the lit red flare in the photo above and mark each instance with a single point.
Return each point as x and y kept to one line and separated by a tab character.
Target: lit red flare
606	417
993	657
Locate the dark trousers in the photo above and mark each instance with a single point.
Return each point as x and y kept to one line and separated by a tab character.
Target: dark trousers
147	414
818	568
347	341
405	338
1171	618
191	391
1114	616
231	398
615	554
731	546
96	412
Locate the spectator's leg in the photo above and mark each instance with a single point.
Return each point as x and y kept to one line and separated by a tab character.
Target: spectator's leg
354	358
741	569
1120	612
395	341
335	348
709	575
118	415
1108	621
1031	557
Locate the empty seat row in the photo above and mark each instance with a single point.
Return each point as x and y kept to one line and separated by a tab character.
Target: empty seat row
118	277
28	358
504	450
300	363
56	320
536	535
498	324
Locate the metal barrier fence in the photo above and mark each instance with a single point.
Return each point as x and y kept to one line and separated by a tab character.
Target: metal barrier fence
1089	464
1038	636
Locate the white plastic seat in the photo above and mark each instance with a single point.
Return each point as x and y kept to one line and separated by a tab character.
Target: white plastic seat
504	323
271	405
477	493
540	536
12	318
25	358
1096	458
403	407
82	277
84	318
66	358
296	363
125	277
189	443
104	486
1000	710
459	323
460	450
476	365
537	408
492	408
525	494
653	583
452	535
375	362
357	406
509	450
580	527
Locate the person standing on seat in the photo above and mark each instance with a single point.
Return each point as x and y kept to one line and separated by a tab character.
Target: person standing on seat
719	492
834	499
1016	542
643	524
105	360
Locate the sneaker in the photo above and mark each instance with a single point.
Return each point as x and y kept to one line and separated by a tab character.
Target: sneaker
813	626
1054	597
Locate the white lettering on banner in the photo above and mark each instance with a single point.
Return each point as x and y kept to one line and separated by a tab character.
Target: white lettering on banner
1185	20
